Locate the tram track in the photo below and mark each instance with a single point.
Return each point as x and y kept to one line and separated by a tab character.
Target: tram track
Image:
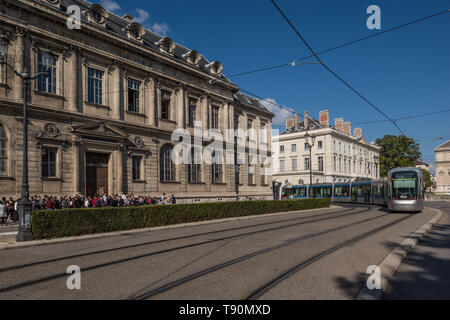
146	255
209	270
82	255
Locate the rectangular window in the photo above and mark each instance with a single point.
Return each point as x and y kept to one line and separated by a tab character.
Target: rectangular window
48	157
215	118
306	147
216	173
263	133
95	86
282	165
136	168
251	171
166	97
3	152
320	145
320	161
236	122
307	163
281	149
294	148
133	96
47	84
192	109
294	164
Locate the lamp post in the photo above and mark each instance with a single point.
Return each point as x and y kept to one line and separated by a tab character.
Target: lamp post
24	205
310	140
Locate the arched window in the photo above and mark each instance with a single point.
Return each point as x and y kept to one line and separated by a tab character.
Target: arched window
3	152
167	166
195	166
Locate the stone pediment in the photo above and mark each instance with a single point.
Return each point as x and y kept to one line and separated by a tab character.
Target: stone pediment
101	130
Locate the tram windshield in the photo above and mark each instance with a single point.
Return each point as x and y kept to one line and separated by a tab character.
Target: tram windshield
405	185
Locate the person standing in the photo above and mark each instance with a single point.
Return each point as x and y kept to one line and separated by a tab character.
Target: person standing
3	213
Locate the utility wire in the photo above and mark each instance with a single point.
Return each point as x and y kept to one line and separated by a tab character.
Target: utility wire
331	71
405	118
341	45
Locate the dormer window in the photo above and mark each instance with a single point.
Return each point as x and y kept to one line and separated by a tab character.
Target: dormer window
166	45
97	14
215	68
193	57
135	31
55	3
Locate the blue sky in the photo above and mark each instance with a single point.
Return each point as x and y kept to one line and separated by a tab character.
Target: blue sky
404	72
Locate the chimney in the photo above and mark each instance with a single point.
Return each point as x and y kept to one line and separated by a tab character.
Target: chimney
128	17
348	128
296	122
289	123
306	122
339	124
358	133
324	118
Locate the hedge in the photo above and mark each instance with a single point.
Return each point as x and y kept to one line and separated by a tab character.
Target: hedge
53	224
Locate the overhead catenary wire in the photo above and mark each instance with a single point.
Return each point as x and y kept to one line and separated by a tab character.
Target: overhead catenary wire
332	72
345	44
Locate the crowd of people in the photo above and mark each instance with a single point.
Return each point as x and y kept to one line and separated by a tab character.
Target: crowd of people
8	208
8	211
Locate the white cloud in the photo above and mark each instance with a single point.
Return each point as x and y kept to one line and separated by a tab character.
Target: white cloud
142	16
110	5
280	114
160	28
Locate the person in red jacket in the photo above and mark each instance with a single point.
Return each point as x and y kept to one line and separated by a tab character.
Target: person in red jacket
49	204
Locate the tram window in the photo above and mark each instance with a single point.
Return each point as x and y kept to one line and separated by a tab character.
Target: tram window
341	191
300	192
405	185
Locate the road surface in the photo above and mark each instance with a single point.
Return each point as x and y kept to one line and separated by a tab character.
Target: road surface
305	255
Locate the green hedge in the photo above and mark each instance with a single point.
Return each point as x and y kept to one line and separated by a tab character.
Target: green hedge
75	222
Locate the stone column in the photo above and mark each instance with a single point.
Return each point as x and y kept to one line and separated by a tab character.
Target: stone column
205	107
149	101
179	107
76	167
115	102
119	168
19	60
73	100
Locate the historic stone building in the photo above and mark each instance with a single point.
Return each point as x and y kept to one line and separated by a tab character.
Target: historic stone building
443	168
102	121
337	156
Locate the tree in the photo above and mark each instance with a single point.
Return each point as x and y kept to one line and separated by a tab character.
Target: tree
427	179
397	152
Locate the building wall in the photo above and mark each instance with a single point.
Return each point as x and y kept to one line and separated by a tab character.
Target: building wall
73	126
443	169
336	145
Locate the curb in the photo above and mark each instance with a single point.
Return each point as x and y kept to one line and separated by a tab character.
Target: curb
395	258
5	246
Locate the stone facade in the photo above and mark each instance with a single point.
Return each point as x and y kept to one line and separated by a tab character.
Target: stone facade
90	130
443	168
337	156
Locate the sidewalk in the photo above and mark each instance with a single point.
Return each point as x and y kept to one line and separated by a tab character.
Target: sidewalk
425	273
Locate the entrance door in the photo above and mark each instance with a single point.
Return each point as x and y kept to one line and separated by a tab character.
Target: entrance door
96	173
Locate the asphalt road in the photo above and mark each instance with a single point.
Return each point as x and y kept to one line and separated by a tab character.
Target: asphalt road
305	255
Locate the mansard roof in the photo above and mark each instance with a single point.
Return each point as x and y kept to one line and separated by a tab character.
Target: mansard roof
120	27
250	102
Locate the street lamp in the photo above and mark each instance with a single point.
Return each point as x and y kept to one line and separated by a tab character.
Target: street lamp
310	141
24	205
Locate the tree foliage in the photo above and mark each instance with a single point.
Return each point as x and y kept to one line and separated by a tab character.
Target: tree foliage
427	179
397	152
